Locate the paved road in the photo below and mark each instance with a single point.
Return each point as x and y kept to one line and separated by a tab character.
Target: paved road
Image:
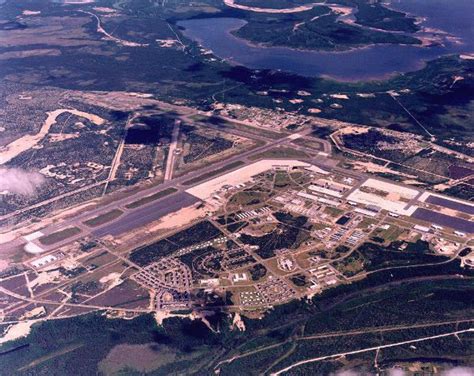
441	219
142	214
147	214
369	349
170	162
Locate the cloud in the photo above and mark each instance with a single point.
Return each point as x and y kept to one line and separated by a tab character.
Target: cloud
18	181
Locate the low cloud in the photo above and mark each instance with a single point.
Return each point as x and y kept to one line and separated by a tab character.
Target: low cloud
18	181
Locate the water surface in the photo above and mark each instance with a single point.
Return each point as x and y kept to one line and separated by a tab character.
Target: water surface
378	61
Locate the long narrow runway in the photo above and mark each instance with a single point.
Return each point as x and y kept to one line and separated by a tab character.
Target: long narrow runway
153	211
147	214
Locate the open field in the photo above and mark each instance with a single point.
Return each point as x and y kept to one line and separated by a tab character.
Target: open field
283	153
166	211
103	218
151	198
59	236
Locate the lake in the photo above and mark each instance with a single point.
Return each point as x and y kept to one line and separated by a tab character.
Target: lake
378	61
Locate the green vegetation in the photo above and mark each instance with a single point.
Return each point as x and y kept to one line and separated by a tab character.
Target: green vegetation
389	235
151	198
299	280
248	197
76	346
274	4
59	236
315	145
432	101
201	147
224	123
408	293
351	265
257	272
319	29
333	212
104	218
198	233
429	165
462	191
290	233
281	179
80	344
234	227
372	257
377	257
374	14
378	16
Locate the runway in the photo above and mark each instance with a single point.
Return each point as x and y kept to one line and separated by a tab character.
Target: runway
145	215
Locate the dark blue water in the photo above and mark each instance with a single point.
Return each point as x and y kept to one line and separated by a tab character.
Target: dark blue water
379	61
452	16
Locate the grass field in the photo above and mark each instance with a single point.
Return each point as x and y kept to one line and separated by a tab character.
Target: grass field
224	123
104	218
287	153
58	236
151	198
389	235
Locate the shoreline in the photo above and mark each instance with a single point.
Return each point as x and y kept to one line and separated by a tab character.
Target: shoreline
433	42
419	64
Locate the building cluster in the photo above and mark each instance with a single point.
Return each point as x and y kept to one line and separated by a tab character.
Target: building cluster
262	117
323	276
195	247
275	290
168	273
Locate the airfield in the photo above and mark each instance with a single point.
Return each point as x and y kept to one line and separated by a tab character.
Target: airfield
180	199
261	225
431	209
167	207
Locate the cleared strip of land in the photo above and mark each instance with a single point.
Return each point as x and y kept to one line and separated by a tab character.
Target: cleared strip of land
375	348
53	355
104	218
283	153
151	198
221	123
59	236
